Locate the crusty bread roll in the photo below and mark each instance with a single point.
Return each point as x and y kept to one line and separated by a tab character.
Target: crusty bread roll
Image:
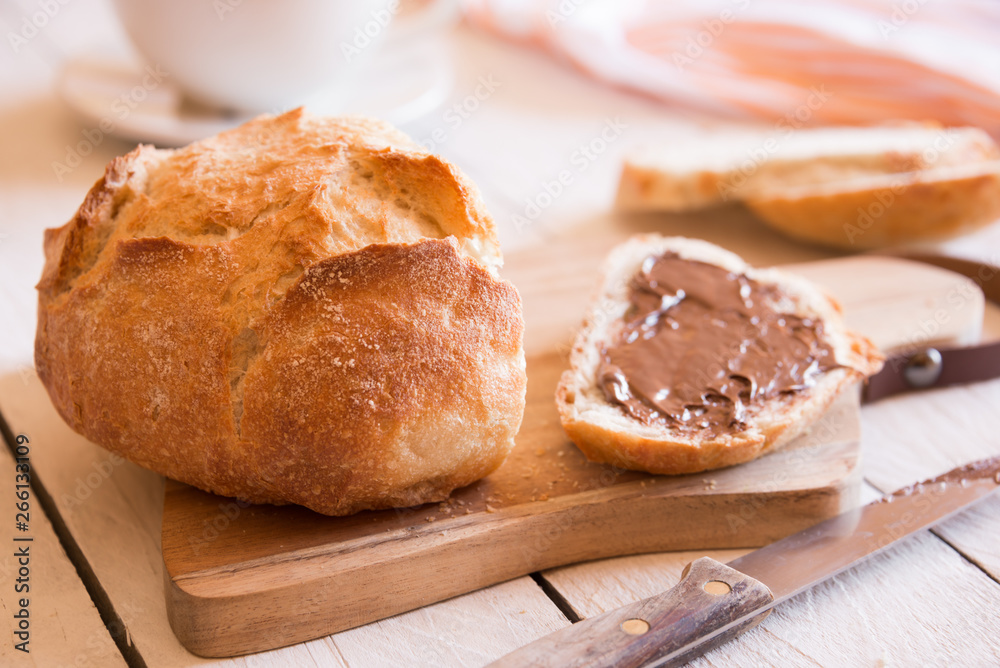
605	432
301	310
850	187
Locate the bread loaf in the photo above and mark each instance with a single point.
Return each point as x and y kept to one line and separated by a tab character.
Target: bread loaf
639	435
301	310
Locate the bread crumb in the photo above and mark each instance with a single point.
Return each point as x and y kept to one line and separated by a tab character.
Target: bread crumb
490	509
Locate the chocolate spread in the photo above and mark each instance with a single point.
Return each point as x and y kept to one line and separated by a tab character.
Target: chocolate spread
963	475
701	347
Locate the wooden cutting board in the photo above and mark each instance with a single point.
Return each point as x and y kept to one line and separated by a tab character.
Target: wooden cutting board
242	579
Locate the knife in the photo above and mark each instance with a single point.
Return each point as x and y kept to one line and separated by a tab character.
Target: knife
715	602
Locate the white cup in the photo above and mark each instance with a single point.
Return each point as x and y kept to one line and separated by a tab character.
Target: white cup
252	56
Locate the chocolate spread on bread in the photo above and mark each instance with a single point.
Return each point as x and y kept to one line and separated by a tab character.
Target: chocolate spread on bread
701	347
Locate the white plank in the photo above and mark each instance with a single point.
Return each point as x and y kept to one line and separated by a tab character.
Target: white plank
64	626
974	534
922	434
470	630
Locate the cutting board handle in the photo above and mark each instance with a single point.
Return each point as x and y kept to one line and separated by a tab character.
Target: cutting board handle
710	598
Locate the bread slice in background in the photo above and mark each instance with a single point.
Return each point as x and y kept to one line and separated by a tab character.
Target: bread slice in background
731	166
886	210
300	310
852	188
606	433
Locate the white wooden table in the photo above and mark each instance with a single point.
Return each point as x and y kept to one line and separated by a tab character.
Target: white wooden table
96	571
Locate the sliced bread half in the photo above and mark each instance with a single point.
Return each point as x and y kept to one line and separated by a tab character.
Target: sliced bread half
710	169
884	210
606	431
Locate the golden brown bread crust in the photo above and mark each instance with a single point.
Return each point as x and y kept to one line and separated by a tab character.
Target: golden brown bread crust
605	433
300	310
902	208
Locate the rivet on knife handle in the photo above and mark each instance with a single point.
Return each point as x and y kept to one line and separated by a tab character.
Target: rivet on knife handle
709	596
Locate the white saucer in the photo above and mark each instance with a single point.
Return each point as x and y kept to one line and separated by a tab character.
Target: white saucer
109	96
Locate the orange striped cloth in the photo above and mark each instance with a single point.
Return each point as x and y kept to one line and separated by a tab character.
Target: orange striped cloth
820	61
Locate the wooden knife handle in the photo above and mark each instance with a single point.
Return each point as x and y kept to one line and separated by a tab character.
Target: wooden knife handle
709	596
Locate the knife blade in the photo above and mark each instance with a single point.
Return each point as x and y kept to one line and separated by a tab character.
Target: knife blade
715	602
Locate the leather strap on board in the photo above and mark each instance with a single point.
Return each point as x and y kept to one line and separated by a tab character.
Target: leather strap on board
939	367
